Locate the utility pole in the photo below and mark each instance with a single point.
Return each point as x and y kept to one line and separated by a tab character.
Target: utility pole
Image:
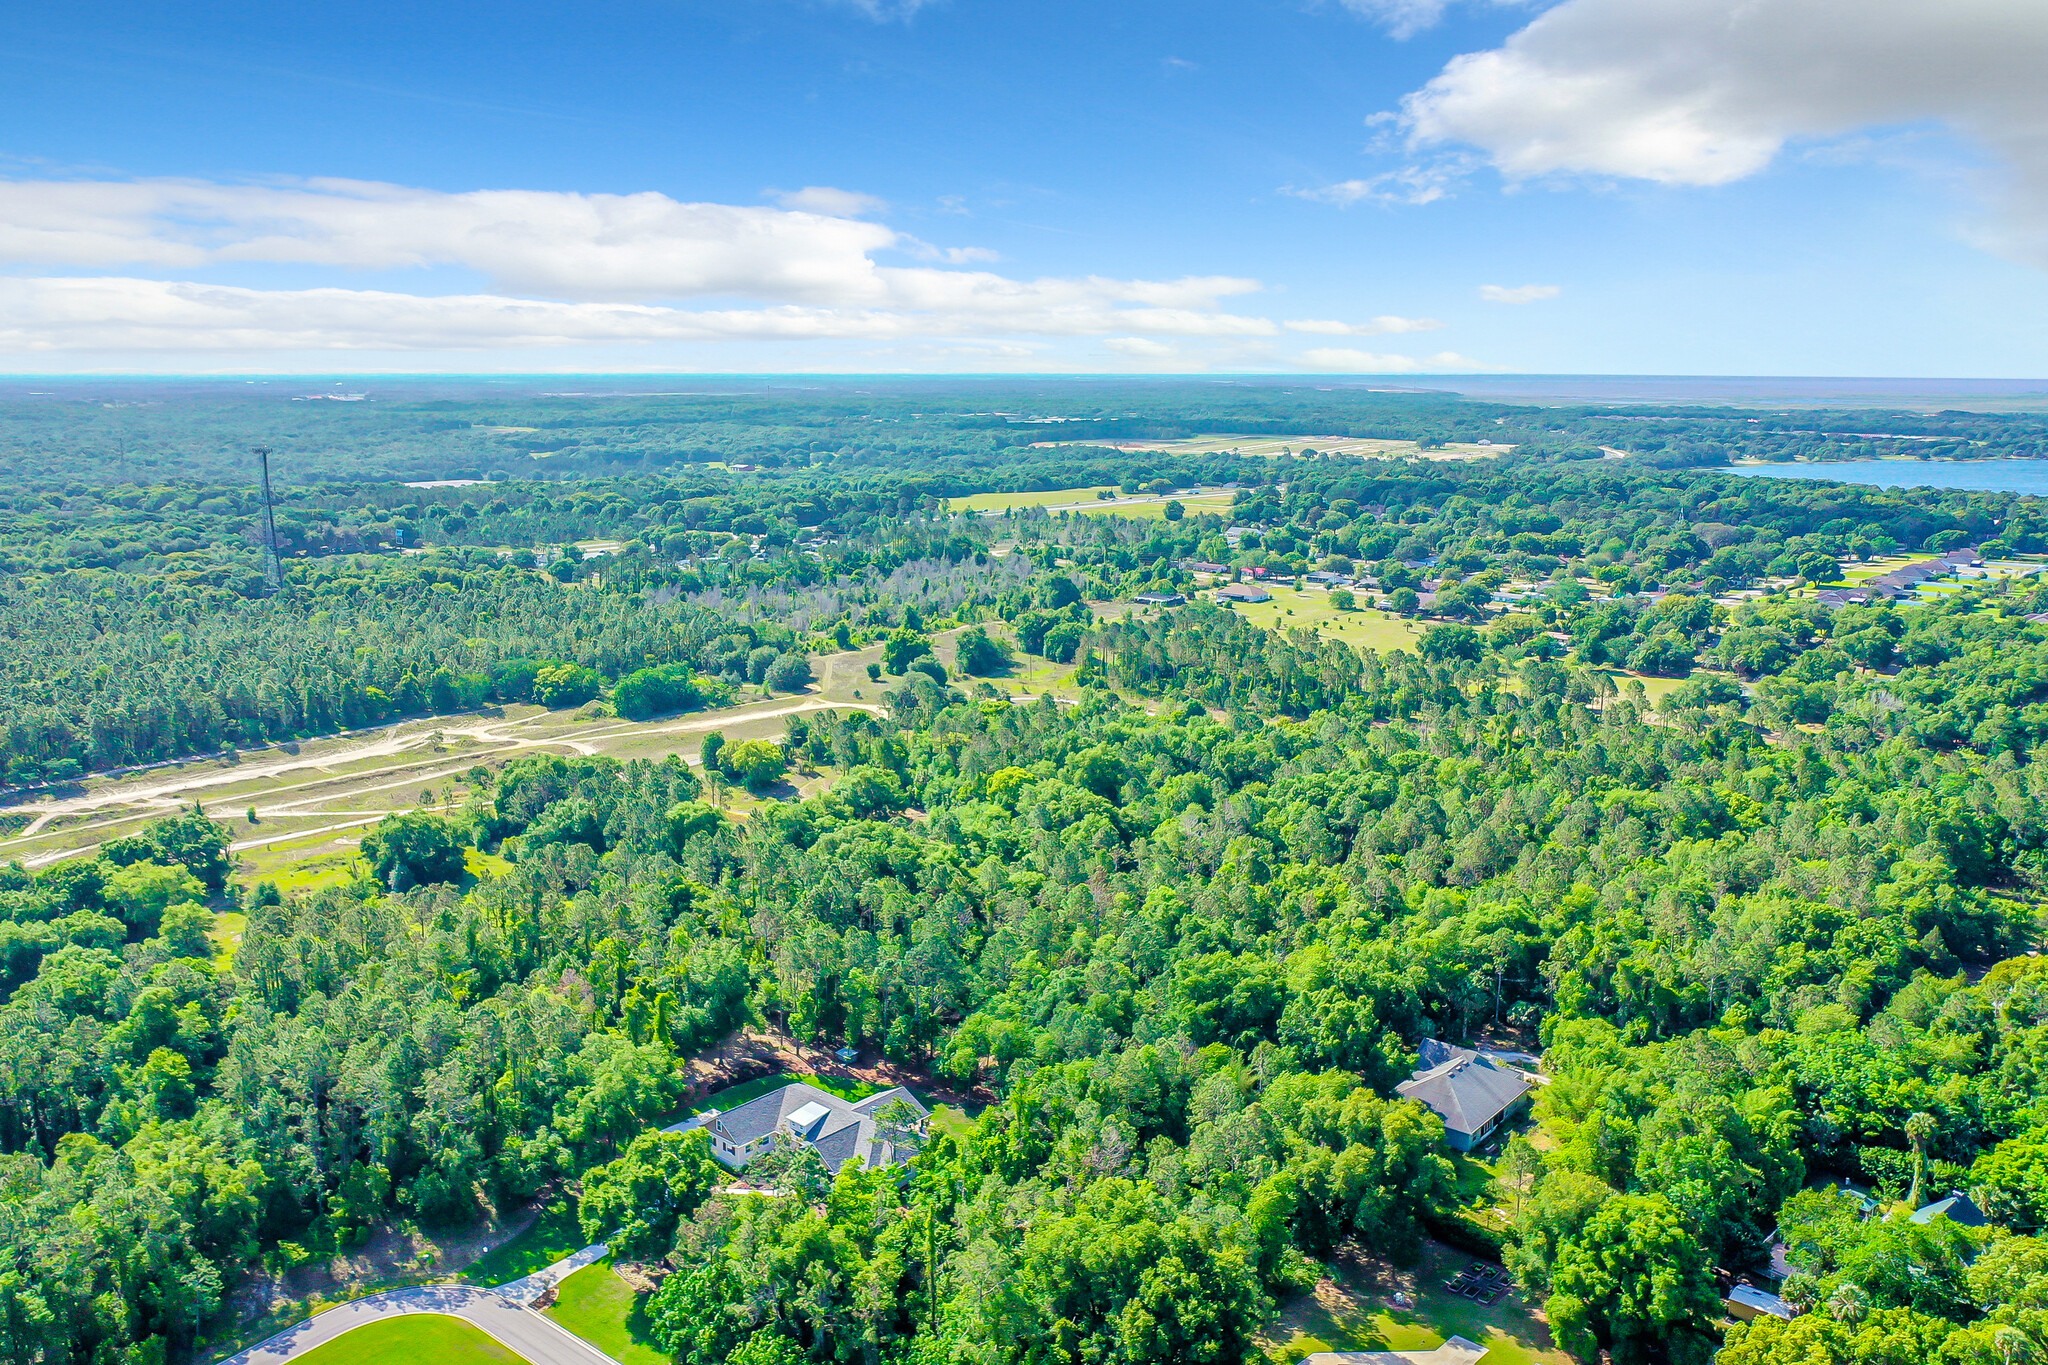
262	454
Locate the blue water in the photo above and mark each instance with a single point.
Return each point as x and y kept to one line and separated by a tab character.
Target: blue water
1995	476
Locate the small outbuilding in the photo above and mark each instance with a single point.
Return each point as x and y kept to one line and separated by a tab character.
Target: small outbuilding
1747	1303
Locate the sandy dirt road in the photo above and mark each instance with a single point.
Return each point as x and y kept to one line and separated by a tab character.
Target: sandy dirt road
123	800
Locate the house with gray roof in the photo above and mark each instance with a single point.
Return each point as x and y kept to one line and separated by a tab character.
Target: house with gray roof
1471	1092
1958	1208
838	1130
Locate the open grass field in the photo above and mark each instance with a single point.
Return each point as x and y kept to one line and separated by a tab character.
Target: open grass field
1656	689
605	1311
1354	1309
1364	628
1142	505
415	1339
1154	509
1000	502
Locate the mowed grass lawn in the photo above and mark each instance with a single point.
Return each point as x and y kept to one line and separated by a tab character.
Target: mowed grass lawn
605	1311
415	1339
1351	1310
1156	511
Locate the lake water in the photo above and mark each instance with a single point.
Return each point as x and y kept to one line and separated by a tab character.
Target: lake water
1996	476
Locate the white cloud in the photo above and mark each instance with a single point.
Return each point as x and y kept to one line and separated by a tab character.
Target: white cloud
587	246
123	314
828	201
1343	358
951	255
1704	92
1142	348
1401	18
1418	183
1379	326
557	267
886	11
1520	293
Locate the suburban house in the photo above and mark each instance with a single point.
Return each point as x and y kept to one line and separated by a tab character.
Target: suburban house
1243	592
1159	599
1958	1208
1472	1093
838	1130
1902	582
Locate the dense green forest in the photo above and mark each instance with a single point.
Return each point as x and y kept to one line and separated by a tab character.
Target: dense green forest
74	435
155	635
1774	930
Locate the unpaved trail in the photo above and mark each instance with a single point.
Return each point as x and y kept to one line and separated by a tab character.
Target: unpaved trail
173	794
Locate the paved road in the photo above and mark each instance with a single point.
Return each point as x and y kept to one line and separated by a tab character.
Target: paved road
533	1287
537	1339
505	1311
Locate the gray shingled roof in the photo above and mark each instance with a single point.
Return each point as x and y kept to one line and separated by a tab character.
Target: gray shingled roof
846	1131
1465	1088
1957	1208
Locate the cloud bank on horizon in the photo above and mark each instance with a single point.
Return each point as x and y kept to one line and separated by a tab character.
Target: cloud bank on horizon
560	269
1678	100
1707	92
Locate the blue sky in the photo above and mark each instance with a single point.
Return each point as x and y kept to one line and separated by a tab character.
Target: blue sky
1346	186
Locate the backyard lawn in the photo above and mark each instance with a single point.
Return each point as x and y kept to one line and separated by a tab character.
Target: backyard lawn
604	1310
410	1340
1353	1310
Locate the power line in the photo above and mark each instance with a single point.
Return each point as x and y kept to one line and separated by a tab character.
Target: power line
262	454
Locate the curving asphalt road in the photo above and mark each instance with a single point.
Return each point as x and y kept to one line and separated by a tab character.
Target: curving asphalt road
506	1311
535	1338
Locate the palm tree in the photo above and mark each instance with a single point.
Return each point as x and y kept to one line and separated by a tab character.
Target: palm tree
1919	1132
1848	1304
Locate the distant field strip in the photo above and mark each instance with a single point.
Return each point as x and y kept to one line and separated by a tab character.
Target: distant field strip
1085	500
1276	445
